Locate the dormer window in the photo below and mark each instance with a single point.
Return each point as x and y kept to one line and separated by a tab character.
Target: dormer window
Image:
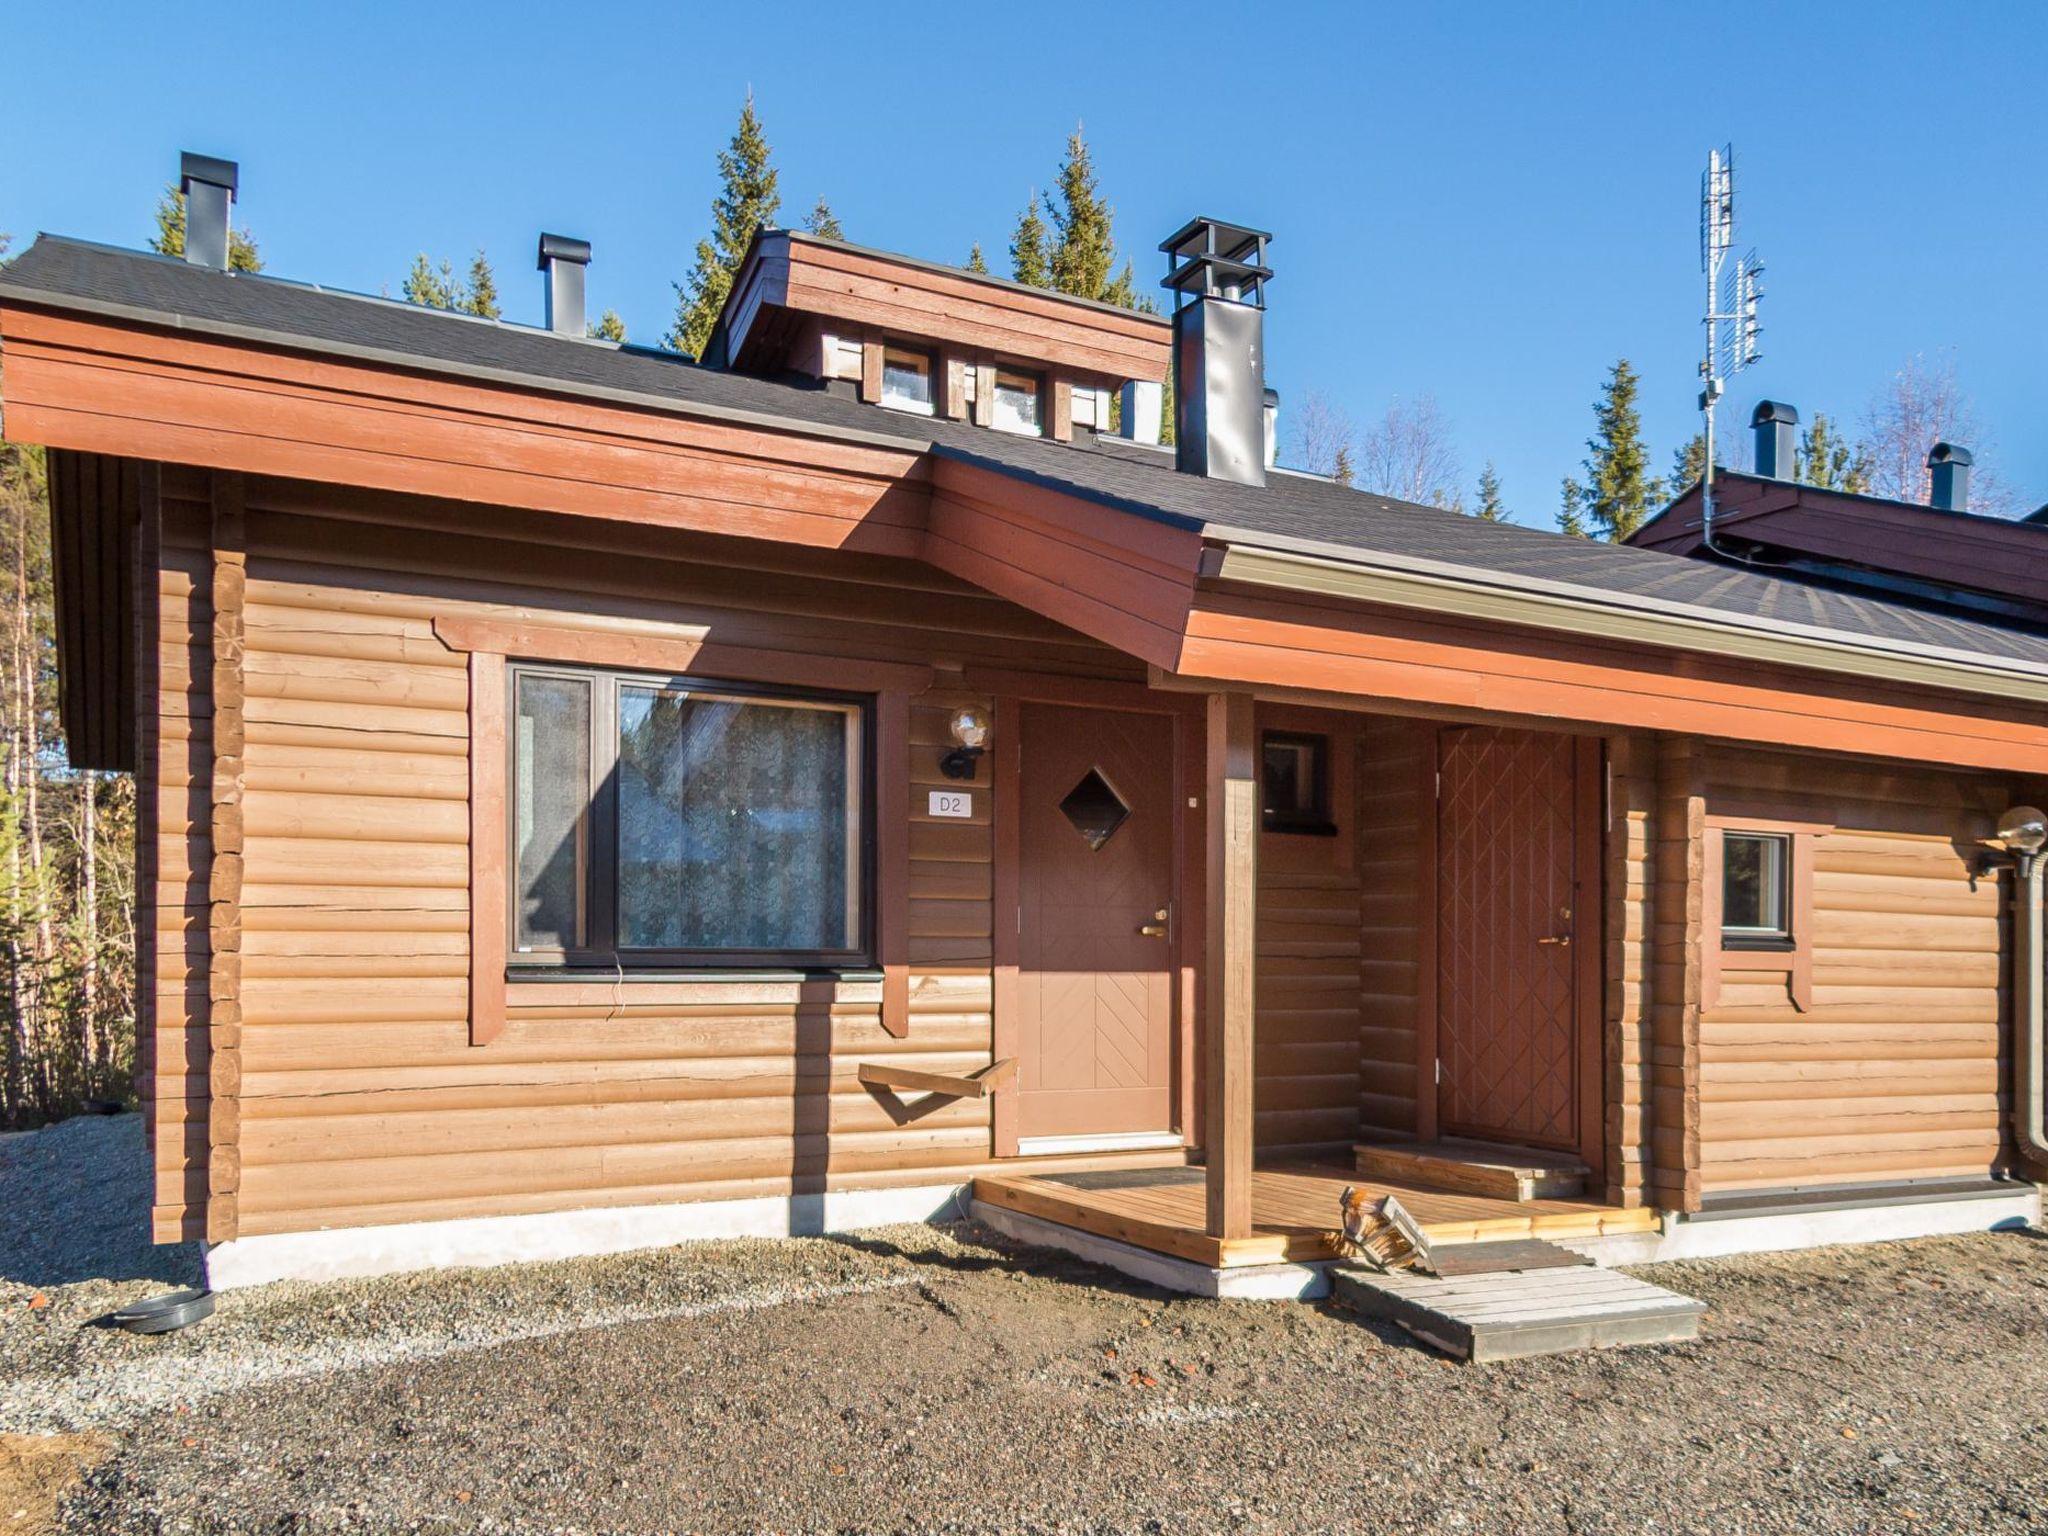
907	380
1019	403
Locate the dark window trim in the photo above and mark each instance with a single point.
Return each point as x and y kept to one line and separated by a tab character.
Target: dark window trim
602	956
1312	820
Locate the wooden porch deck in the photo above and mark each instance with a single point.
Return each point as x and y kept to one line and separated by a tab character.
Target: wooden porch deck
1294	1209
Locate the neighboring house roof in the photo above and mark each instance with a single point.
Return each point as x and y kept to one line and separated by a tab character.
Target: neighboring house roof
1294	516
1934	558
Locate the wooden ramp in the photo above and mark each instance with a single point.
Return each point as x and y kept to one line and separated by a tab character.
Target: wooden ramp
1512	1313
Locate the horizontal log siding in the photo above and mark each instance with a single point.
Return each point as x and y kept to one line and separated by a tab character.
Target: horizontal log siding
1391	808
1305	1038
1895	1071
361	1099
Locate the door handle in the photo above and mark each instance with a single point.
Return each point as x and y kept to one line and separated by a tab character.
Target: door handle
1156	929
1561	940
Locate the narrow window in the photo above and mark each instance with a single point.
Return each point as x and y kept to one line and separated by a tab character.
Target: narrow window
551	832
1755	890
907	380
665	822
1295	772
1017	403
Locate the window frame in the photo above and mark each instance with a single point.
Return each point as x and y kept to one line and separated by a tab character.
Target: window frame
1002	376
1312	819
601	952
1749	958
893	350
1784	933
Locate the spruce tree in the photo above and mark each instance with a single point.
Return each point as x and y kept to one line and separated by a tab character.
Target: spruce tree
1084	247
747	200
1571	519
1028	263
1491	507
1826	459
976	262
1689	463
1617	494
822	221
1342	470
607	327
479	295
169	239
426	286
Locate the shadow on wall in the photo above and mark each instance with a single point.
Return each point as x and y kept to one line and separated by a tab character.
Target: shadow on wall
74	1206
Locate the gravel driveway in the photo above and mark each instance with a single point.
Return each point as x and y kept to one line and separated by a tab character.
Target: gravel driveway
933	1380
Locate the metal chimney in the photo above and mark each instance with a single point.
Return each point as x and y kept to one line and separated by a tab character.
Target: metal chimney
1272	423
563	260
209	187
1948	473
1777	439
1218	275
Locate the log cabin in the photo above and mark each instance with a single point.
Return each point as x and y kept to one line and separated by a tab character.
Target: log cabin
592	798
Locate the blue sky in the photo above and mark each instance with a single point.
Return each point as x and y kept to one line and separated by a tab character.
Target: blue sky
1489	203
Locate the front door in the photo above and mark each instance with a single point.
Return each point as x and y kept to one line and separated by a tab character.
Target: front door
1095	948
1507	970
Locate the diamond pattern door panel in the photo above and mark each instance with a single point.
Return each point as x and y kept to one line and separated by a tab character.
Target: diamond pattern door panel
1095	1001
1507	1035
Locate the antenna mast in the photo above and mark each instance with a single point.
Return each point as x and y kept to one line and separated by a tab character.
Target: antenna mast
1731	318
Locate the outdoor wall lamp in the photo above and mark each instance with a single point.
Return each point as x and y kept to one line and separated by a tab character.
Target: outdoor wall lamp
969	727
2022	832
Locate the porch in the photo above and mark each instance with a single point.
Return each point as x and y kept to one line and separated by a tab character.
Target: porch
1293	1211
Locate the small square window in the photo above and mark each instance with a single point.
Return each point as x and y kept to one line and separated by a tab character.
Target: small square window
1017	404
907	381
1295	772
1756	878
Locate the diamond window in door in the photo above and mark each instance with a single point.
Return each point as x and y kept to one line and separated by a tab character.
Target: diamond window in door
1094	809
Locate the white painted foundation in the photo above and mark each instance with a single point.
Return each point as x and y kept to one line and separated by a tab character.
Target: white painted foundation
1781	1231
478	1242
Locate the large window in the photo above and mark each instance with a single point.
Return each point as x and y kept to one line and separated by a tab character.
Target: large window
1755	889
668	822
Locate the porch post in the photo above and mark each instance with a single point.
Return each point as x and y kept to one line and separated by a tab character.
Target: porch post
1228	961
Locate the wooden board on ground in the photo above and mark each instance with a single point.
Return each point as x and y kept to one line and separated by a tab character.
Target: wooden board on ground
1507	1316
1476	1168
1498	1258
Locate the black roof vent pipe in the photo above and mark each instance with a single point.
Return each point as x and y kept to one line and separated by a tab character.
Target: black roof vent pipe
1218	275
208	186
563	260
1777	439
1948	477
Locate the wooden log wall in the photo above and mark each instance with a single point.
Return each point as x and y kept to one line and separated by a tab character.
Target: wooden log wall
357	1096
1894	1071
1306	1041
1627	1041
1677	866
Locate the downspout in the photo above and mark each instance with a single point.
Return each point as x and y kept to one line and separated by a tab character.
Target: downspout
2028	1131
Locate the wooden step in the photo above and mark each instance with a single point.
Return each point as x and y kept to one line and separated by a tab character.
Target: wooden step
1475	1168
1509	1315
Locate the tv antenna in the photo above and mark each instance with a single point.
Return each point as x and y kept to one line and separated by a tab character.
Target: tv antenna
1731	325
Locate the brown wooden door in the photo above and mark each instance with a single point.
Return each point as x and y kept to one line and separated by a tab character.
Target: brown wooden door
1095	1000
1508	1032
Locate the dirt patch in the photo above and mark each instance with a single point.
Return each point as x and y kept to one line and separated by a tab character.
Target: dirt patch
37	1471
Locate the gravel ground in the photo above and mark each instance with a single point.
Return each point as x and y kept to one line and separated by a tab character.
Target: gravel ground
928	1380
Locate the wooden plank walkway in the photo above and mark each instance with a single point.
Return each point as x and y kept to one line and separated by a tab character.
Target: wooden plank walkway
1294	1210
1515	1313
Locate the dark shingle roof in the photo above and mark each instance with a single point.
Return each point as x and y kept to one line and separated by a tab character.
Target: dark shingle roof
1291	511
